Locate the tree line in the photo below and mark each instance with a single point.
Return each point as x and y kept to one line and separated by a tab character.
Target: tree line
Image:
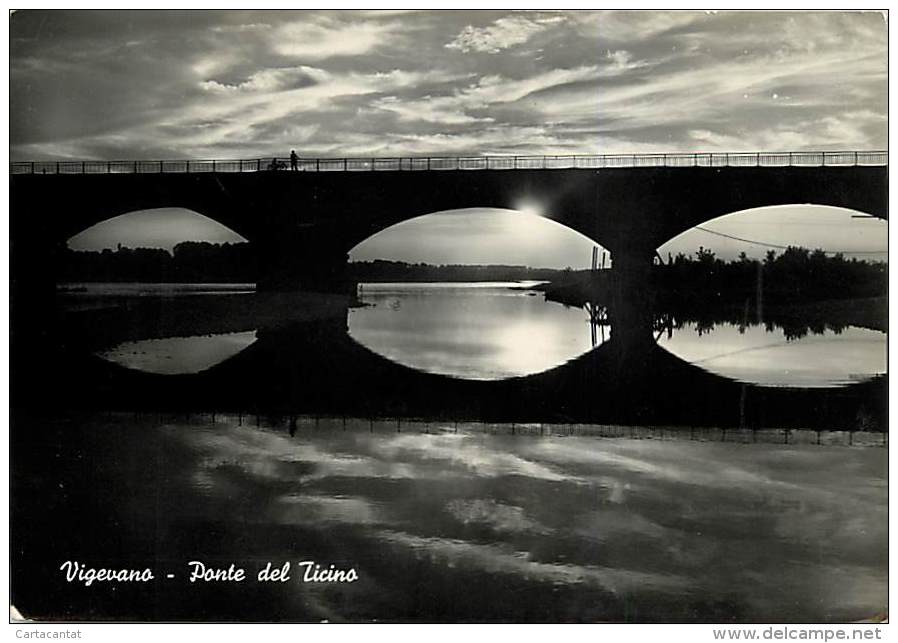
188	262
796	274
794	323
204	262
384	270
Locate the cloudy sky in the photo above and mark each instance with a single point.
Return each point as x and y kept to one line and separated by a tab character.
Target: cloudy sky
129	84
235	84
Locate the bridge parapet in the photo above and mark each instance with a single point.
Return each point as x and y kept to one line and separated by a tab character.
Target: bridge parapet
463	163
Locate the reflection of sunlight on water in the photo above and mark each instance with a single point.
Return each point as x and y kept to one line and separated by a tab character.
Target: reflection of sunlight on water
179	355
471	331
529	346
756	356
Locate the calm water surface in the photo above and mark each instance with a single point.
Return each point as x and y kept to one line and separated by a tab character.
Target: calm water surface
77	296
179	355
468	526
498	330
490	331
128	289
756	355
481	331
446	523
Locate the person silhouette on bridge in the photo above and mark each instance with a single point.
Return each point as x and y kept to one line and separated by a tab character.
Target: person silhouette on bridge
294	161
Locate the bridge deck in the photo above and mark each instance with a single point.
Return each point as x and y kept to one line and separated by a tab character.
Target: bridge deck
602	161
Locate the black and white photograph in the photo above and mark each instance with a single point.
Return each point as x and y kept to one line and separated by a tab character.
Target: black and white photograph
449	316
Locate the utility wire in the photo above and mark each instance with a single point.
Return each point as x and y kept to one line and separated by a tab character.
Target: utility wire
773	245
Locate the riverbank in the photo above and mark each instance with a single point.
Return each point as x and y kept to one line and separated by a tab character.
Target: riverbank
579	288
111	321
864	312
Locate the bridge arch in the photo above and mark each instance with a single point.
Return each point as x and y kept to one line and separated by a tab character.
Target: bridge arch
678	203
631	210
524	236
760	229
158	245
157	226
94	215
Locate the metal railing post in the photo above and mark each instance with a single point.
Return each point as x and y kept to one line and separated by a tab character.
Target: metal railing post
213	166
344	165
32	167
57	167
135	167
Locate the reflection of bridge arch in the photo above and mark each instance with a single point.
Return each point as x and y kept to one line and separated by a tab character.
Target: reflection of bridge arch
315	367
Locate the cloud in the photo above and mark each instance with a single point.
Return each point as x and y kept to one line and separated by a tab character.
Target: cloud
247	84
330	38
630	26
501	34
270	108
241	28
431	109
271	80
480	96
622	60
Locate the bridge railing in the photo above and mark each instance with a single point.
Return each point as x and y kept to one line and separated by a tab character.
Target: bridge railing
437	163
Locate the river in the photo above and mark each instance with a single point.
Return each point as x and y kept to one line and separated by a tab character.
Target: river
444	522
498	330
683	500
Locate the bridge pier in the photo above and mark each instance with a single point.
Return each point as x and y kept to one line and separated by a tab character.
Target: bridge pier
631	394
631	277
632	304
36	258
298	260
